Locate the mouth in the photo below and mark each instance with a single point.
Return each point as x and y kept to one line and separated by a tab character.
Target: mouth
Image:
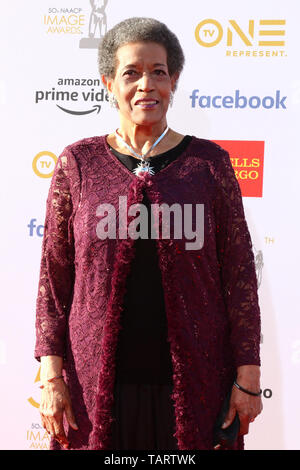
146	103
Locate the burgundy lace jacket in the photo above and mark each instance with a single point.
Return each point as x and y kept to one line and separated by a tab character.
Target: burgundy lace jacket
211	297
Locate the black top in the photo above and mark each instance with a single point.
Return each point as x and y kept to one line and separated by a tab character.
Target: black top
143	354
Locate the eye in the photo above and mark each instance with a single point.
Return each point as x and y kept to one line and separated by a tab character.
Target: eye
159	72
129	72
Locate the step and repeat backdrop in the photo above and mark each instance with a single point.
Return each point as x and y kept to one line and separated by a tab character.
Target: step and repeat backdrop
240	87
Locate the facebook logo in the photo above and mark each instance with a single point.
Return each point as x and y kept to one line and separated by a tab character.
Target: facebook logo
238	101
35	229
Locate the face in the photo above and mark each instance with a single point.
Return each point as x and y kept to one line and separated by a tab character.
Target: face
142	84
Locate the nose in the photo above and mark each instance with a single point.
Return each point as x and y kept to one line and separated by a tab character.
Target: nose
145	82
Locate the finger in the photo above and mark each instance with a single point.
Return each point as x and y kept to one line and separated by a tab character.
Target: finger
229	417
244	424
63	441
59	432
44	423
70	416
49	426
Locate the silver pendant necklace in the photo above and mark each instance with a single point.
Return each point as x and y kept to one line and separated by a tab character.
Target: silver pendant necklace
143	166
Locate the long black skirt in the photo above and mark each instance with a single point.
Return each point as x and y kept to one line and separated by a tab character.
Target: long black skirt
143	409
144	417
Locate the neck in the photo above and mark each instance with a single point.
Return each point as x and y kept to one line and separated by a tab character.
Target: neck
141	137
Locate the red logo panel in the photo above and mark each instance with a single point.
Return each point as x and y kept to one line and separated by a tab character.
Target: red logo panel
247	158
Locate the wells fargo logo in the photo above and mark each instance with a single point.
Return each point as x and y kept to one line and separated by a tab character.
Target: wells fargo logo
43	164
262	38
247	158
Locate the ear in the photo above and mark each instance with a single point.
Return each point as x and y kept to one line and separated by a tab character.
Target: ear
174	79
107	82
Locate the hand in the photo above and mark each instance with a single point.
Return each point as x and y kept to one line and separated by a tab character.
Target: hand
55	401
247	406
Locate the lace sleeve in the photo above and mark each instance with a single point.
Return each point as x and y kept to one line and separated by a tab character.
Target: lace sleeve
237	267
57	271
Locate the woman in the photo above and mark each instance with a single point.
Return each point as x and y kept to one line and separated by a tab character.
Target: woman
140	338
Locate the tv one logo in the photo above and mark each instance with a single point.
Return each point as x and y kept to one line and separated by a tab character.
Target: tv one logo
266	34
43	164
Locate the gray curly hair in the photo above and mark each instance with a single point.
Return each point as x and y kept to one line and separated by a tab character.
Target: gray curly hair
139	29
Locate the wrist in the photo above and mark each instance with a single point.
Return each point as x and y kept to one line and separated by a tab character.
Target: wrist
248	371
253	392
51	381
248	376
51	366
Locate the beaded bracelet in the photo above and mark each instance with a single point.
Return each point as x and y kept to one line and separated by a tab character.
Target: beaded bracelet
53	378
247	391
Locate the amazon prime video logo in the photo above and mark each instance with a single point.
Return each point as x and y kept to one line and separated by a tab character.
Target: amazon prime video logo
77	96
185	224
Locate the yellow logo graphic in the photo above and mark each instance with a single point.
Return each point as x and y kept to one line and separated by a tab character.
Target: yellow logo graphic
43	164
39	440
64	21
37	437
267	33
32	400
